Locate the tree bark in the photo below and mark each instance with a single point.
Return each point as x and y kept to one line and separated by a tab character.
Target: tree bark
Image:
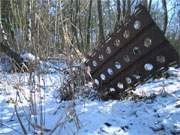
118	7
128	8
145	3
118	10
124	7
16	59
6	14
80	26
101	29
29	24
149	6
89	25
7	20
108	4
124	11
164	5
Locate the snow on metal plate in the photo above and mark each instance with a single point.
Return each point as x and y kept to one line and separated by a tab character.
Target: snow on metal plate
131	55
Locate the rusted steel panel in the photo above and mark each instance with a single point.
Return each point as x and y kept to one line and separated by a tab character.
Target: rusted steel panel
131	55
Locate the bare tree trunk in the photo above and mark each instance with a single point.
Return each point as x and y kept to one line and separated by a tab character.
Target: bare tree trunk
108	3
164	5
29	24
145	3
124	10
6	20
118	10
5	48
149	6
128	8
80	27
56	25
101	29
4	44
6	14
16	59
61	30
74	23
118	7
89	26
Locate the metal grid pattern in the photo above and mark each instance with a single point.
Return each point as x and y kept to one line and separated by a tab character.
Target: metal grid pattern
131	55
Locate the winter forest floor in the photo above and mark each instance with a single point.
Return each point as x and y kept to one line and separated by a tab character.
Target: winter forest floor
158	113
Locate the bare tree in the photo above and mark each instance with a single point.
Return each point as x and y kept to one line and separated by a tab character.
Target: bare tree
149	5
118	10
101	28
124	10
89	25
6	15
29	24
118	7
128	8
144	3
164	5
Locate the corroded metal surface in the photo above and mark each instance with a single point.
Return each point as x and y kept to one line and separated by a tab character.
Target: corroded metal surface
131	55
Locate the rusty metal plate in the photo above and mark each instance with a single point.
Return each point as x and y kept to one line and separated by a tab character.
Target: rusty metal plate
131	55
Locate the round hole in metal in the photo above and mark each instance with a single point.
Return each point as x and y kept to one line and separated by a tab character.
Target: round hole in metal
128	80
117	42
108	50
148	66
136	50
112	89
96	81
117	65
120	85
94	63
110	71
126	58
147	42
137	25
161	59
126	34
102	76
136	76
5	37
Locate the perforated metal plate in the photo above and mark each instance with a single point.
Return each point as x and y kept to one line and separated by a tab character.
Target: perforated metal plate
131	55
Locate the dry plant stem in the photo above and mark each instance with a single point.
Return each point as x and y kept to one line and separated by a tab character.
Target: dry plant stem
35	88
76	119
20	121
36	126
41	104
17	114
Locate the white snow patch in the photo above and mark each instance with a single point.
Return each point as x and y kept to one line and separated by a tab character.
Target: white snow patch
158	115
27	57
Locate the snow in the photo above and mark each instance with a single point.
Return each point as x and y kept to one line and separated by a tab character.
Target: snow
27	57
157	114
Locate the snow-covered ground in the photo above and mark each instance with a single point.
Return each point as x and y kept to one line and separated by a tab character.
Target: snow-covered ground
158	114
